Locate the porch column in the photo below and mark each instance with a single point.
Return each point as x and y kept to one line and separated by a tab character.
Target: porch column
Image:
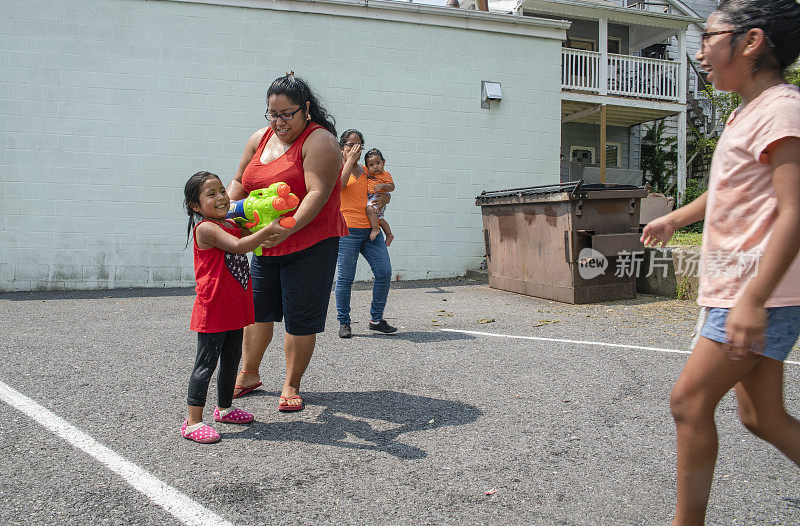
603	143
681	156
683	76
683	73
603	48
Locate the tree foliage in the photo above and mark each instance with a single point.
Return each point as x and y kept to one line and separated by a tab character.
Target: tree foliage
659	157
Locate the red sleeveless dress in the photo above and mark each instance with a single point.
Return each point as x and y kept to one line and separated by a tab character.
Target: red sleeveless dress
289	169
224	299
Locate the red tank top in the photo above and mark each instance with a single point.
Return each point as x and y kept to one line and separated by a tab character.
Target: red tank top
224	299
289	169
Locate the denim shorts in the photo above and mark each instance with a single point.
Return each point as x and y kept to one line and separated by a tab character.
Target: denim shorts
296	286
783	328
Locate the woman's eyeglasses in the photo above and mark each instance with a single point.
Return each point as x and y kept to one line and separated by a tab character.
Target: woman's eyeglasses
272	117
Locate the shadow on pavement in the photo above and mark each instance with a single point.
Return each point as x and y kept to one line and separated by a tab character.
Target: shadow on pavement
371	420
153	292
42	295
434	284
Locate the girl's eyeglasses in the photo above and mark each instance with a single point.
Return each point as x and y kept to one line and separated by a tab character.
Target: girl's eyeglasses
272	117
706	35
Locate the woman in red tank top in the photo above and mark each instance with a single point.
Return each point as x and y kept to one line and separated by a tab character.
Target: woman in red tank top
293	277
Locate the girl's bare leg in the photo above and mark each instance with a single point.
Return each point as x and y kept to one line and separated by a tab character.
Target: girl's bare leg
195	415
298	351
760	399
256	339
709	373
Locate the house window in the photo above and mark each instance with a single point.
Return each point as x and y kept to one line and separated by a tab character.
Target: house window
581	154
614	44
580	43
614	155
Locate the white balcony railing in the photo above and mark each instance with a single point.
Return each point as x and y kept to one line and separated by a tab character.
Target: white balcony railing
628	76
579	69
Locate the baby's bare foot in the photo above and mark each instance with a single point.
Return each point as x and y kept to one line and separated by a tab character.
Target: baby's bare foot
389	239
374	233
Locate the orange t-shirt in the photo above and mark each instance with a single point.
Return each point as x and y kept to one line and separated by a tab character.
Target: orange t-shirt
354	201
381	178
742	205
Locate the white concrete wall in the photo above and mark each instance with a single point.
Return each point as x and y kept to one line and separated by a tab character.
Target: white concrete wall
107	107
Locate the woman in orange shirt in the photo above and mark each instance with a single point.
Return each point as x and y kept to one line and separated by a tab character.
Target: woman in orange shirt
354	204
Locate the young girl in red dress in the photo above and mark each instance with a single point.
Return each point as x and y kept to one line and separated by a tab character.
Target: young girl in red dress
224	303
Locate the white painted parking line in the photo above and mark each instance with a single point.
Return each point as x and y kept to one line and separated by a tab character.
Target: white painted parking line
581	342
173	501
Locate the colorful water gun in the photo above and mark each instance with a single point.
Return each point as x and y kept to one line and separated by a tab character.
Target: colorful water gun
262	207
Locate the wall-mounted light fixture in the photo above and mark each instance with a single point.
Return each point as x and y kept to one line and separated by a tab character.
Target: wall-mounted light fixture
490	91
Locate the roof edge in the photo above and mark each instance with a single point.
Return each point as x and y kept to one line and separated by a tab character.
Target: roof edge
625	13
395	11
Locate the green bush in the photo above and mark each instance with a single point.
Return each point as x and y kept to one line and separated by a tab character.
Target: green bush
659	157
694	189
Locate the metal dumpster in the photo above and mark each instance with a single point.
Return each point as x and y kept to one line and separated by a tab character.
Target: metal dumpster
569	242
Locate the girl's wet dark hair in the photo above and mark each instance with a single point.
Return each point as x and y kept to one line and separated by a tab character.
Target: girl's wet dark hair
297	91
346	135
374	152
780	21
191	195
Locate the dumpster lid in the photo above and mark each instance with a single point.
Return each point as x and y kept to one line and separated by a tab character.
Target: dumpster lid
577	190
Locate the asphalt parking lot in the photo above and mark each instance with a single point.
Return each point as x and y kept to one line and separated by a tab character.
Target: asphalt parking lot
487	407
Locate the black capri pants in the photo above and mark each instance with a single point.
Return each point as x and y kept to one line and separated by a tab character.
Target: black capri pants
212	346
296	286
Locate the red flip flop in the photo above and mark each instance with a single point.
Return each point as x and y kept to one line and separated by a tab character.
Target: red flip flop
290	407
245	390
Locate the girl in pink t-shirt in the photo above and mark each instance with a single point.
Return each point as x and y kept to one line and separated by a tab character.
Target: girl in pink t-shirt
750	277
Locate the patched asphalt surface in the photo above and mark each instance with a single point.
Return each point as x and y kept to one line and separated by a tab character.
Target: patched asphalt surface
413	428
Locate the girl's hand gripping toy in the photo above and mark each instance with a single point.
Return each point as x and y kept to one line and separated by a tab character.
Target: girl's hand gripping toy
262	207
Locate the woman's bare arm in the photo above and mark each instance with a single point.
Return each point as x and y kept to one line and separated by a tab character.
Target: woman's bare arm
350	157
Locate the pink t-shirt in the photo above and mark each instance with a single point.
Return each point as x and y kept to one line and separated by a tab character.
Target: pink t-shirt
742	206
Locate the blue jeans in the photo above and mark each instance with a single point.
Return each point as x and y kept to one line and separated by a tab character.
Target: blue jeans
377	255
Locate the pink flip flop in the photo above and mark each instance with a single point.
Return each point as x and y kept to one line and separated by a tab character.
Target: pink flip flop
245	390
237	416
290	407
204	435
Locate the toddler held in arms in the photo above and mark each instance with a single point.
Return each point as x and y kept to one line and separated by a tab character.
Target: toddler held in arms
378	182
